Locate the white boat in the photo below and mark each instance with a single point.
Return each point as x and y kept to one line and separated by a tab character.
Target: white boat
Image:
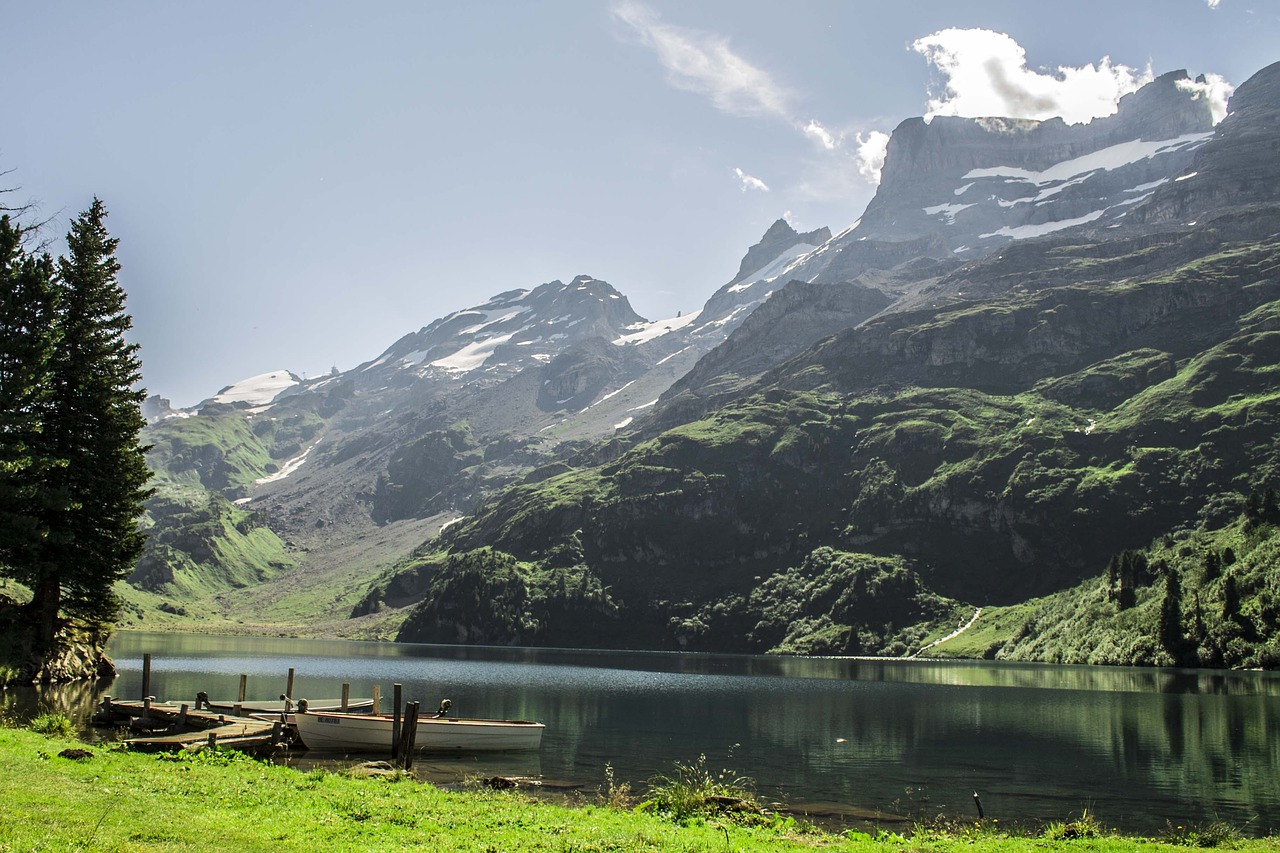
336	732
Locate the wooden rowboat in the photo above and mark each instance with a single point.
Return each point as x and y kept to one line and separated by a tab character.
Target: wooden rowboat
335	732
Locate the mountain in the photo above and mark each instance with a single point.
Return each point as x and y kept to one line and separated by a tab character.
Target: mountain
1042	345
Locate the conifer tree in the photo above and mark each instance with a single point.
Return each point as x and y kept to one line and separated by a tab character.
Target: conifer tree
1171	634
92	427
27	340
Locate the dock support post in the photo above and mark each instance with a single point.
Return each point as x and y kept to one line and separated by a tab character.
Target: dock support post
288	684
146	675
410	733
346	698
182	717
213	740
395	721
377	698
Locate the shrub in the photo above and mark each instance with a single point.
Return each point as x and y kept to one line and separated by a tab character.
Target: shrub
1219	833
1086	826
697	792
53	725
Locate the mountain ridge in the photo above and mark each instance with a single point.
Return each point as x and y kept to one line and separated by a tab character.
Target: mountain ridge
830	396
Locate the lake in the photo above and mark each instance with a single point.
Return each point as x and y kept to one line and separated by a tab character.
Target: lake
908	738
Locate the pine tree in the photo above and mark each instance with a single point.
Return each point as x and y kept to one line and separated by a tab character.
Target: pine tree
27	340
1230	599
1171	634
92	427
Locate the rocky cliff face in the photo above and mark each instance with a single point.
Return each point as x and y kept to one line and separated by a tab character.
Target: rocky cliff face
964	187
1005	345
979	183
1239	166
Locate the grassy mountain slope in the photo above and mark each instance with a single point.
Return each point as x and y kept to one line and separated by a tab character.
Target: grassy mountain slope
876	489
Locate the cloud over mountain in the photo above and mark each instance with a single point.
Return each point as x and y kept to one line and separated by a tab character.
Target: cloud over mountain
985	73
704	63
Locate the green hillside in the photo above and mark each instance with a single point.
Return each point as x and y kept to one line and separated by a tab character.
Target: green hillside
875	491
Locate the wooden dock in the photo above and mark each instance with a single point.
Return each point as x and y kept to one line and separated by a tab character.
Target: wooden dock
170	726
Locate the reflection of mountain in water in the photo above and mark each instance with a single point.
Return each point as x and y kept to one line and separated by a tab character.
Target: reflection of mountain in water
1039	742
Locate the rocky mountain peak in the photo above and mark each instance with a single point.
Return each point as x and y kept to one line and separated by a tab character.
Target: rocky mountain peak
780	237
1239	166
509	332
961	187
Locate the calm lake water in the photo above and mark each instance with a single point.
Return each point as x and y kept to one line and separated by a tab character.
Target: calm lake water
1137	747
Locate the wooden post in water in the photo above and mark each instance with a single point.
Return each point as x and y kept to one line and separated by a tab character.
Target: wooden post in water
288	684
182	717
213	740
146	675
346	697
377	698
410	733
395	721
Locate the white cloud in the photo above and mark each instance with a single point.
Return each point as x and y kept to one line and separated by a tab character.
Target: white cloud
1215	88
986	74
870	157
820	133
704	63
750	182
1212	4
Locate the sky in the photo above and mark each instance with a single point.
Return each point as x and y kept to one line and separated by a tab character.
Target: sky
296	185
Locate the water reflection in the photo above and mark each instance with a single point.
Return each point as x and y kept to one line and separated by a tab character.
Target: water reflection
1136	746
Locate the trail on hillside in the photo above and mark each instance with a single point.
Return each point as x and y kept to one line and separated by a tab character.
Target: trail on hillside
957	632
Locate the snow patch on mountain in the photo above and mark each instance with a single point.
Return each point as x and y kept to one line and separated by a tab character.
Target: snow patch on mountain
257	390
1023	232
645	332
948	211
473	355
1105	159
285	470
774	268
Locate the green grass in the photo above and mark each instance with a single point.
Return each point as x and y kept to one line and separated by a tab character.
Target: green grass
116	800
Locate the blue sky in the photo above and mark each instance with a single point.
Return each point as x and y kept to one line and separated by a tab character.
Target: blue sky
297	185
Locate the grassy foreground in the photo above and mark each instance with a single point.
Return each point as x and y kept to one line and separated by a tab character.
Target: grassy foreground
115	800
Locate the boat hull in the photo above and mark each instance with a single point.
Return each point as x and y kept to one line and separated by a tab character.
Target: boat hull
334	732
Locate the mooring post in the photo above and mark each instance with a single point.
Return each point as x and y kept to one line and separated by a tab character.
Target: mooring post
213	740
244	685
146	675
346	697
288	684
182	717
377	698
395	721
977	802
411	733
